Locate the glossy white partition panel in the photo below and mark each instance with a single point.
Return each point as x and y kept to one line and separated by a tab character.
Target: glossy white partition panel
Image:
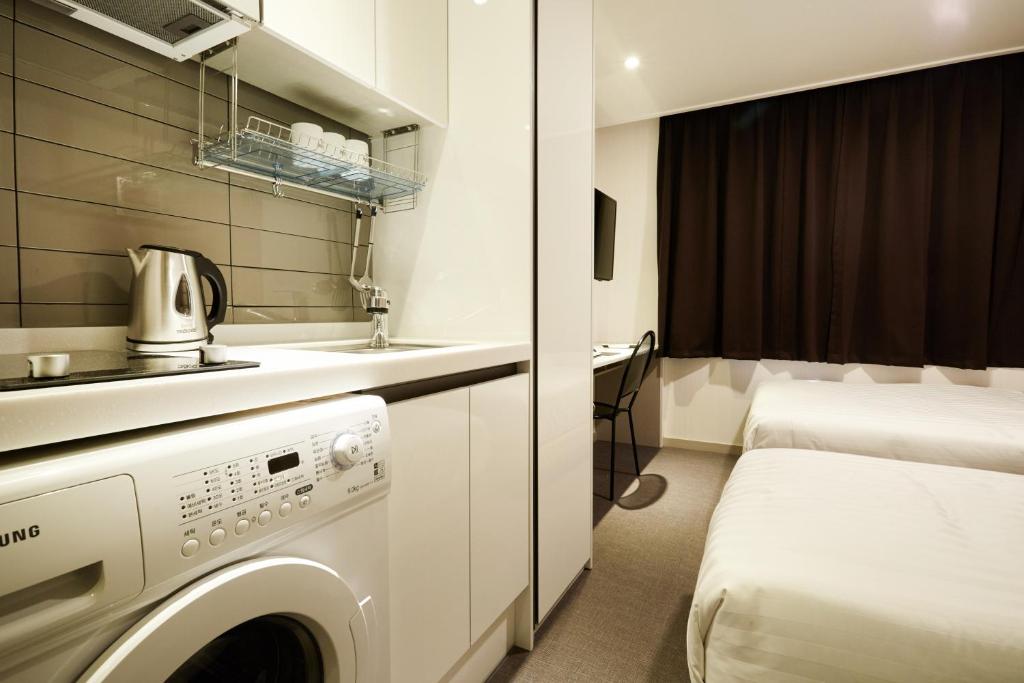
565	204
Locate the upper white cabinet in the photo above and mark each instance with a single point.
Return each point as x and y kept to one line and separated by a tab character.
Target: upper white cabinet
372	64
412	54
338	32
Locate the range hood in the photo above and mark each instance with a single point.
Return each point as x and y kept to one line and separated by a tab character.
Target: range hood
178	29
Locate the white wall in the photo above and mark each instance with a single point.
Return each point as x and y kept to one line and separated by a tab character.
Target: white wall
626	169
459	266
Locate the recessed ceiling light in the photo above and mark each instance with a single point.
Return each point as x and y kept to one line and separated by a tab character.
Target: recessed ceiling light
632	62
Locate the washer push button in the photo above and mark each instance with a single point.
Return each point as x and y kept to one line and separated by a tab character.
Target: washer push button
241	526
263	518
190	547
217	536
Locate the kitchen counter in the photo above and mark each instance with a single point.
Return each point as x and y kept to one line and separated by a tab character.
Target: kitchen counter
36	417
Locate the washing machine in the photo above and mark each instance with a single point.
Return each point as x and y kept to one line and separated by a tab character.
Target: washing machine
242	548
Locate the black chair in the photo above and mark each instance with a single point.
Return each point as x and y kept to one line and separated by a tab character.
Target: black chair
633	374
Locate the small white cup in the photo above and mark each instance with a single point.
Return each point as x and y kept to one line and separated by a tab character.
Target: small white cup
334	145
357	151
308	135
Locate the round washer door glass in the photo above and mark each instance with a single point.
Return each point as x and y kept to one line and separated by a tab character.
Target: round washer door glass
266	620
270	649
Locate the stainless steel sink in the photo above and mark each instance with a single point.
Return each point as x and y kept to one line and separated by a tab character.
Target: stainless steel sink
394	348
360	347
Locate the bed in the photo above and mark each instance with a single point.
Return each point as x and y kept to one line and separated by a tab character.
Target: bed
850	569
965	426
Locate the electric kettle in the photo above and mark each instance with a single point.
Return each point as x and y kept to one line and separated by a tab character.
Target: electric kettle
166	309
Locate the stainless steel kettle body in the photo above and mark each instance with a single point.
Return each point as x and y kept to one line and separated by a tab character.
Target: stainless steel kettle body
166	306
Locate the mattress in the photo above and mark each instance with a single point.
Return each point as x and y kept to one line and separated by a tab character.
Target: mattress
964	426
851	568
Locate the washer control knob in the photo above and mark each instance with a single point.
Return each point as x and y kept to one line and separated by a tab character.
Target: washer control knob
347	450
190	547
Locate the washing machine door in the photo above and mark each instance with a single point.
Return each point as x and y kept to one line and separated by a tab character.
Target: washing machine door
269	619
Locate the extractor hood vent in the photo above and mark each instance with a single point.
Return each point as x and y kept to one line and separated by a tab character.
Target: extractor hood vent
178	29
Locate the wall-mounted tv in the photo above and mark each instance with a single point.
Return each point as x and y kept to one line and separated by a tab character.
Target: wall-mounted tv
604	235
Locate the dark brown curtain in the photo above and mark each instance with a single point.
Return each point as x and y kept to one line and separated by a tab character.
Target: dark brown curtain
874	222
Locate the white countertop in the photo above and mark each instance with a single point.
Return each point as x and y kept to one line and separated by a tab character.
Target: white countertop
36	417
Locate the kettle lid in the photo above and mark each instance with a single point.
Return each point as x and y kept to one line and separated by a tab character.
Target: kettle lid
174	250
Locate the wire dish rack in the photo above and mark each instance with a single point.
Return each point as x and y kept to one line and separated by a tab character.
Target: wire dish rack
267	150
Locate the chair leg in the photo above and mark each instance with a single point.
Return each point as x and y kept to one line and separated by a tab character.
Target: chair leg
632	436
611	470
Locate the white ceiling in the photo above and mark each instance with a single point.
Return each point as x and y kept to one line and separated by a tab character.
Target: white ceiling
701	53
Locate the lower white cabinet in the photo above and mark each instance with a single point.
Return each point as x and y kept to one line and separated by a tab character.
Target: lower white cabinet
499	497
428	535
458	520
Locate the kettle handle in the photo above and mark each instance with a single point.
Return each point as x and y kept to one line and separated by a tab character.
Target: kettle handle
219	308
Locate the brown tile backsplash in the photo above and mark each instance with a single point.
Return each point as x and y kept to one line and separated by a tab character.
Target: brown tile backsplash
8	275
10	315
7	104
262	249
54	116
257	287
286	314
62	65
6	45
6	161
73	315
95	137
55	223
55	170
8	219
62	277
261	210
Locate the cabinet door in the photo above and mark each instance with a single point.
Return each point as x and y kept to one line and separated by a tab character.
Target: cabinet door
499	497
412	55
428	528
338	32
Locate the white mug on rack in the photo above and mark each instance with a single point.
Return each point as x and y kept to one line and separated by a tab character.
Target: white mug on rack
308	135
334	145
357	150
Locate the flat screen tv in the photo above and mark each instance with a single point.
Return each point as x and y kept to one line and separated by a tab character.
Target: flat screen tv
604	235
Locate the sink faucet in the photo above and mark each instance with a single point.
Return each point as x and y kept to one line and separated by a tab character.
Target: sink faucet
377	304
373	298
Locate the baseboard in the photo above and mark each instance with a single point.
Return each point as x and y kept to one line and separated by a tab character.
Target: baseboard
487	653
709	446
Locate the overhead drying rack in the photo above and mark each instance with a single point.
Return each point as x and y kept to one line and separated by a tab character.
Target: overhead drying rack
266	150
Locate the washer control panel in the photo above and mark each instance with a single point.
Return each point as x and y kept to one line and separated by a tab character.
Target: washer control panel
250	477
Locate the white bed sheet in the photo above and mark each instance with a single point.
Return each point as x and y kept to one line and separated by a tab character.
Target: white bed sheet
854	569
965	426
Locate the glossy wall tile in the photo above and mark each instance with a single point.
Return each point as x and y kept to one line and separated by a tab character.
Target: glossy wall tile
96	156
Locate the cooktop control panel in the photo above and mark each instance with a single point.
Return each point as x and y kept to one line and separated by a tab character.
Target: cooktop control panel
245	479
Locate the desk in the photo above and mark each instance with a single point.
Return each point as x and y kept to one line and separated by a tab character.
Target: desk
609	359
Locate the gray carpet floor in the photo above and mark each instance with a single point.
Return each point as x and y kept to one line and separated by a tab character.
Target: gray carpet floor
625	620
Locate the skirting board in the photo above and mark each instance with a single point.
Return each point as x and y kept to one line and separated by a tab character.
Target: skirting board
709	446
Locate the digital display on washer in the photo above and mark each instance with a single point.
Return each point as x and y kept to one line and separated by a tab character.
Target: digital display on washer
283	462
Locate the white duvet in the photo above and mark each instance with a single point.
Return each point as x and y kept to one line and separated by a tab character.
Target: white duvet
849	568
965	426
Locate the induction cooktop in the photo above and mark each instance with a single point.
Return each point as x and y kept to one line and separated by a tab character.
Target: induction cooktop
88	367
